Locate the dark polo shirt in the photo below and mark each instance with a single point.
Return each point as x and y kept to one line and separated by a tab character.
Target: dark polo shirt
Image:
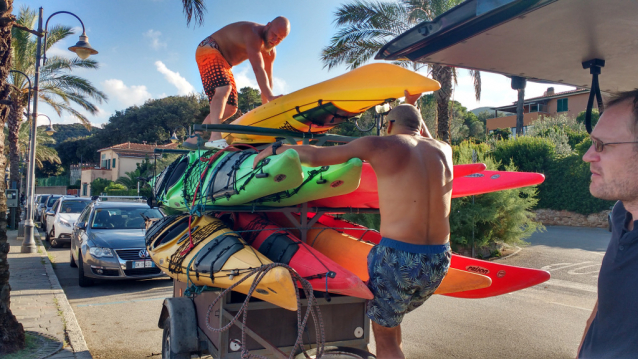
614	331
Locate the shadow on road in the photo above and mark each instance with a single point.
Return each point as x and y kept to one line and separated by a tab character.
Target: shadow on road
589	239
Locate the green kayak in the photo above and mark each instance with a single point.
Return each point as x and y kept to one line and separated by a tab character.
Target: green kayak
230	180
319	182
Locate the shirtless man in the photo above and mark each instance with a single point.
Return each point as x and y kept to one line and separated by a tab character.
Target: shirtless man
414	175
230	46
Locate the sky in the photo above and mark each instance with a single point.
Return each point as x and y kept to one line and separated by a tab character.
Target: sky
146	51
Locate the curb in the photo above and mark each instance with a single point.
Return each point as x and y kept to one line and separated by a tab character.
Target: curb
72	328
518	249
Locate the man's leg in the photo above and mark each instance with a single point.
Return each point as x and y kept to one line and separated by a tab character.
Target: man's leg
220	110
388	341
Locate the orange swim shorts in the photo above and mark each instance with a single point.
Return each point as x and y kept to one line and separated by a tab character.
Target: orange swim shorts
215	70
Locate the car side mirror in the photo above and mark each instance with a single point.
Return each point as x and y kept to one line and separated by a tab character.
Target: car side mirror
50	213
81	226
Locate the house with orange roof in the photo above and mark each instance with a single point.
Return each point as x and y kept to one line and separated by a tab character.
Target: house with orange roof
116	160
570	103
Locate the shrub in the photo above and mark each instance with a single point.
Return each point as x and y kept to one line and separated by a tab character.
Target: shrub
116	187
98	185
529	154
498	216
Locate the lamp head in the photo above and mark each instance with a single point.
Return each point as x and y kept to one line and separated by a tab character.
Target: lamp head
50	131
174	138
82	48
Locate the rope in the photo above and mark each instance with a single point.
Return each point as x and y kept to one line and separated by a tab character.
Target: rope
301	323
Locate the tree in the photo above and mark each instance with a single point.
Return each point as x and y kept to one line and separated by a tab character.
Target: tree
57	88
11	331
194	8
365	26
130	180
595	115
99	185
248	98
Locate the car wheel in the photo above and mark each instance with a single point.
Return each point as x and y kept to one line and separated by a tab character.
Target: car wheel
54	242
167	353
83	281
71	260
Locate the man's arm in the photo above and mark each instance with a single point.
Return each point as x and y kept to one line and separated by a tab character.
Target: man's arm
363	148
253	49
269	61
589	321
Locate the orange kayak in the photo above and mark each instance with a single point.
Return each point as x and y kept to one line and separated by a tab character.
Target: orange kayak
352	254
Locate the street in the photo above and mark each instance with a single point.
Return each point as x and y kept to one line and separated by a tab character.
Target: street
119	319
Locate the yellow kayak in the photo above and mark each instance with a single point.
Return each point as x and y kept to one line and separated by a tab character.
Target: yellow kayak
215	256
320	107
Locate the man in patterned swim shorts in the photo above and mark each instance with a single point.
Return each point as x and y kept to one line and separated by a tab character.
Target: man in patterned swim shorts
414	176
228	47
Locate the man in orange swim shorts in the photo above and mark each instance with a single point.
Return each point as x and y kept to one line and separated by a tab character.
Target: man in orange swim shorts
230	46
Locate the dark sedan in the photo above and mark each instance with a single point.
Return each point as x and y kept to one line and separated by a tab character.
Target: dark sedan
108	242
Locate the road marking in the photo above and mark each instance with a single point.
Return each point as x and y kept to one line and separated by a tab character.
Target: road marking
574	271
572	306
559	266
572	285
120	302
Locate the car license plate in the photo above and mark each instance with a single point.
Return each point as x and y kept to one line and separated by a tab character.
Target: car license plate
143	264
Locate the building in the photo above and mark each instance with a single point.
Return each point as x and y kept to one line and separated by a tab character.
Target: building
570	103
116	160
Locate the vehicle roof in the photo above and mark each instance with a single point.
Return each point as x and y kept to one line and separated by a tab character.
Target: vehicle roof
541	40
110	204
76	198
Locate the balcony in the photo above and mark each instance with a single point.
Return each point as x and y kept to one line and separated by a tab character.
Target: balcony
510	121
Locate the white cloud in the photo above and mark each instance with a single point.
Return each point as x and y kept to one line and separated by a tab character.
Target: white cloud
496	90
183	86
154	37
127	96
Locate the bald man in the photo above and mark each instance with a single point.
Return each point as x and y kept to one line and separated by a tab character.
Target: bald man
228	47
414	175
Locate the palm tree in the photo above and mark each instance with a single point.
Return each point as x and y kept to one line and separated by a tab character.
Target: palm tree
57	88
44	151
11	331
194	8
365	26
130	180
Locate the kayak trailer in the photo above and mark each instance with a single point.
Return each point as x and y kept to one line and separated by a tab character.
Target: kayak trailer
270	331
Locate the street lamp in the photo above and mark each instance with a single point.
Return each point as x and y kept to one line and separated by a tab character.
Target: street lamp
174	138
49	131
28	204
83	50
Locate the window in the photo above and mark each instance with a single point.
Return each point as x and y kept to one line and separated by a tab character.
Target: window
114	163
561	105
73	206
84	217
533	108
84	188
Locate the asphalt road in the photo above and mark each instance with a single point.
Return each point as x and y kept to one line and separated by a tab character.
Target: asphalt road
119	319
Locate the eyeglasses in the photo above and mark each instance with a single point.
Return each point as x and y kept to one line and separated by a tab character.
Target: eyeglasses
600	145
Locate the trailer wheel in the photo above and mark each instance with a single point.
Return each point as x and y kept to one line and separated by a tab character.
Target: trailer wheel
167	353
338	353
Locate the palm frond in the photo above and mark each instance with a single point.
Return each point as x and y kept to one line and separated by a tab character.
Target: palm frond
196	9
57	33
476	77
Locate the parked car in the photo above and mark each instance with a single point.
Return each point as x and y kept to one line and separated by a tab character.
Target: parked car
39	203
45	207
62	217
108	242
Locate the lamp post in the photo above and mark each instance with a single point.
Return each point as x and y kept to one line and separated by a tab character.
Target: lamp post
83	50
174	138
28	203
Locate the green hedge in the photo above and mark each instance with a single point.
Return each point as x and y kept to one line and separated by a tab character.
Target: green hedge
529	154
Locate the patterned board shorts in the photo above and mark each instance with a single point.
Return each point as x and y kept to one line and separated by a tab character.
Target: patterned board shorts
402	277
214	70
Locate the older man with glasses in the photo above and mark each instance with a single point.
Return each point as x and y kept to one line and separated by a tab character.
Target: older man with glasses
612	329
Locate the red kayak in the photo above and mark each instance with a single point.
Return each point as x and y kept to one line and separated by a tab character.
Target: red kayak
282	247
505	278
467	182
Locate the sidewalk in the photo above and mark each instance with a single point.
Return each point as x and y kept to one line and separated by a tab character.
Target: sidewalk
39	303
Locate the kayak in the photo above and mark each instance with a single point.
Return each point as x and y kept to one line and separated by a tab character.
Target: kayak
352	254
320	107
215	256
282	247
505	278
230	179
366	196
319	182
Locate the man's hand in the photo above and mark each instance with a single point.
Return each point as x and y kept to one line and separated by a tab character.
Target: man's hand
261	155
411	99
267	98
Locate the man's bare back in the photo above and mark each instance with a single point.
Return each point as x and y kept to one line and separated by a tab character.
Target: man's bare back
235	39
414	177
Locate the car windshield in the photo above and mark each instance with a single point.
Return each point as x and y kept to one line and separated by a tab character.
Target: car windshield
52	200
73	206
43	199
122	218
